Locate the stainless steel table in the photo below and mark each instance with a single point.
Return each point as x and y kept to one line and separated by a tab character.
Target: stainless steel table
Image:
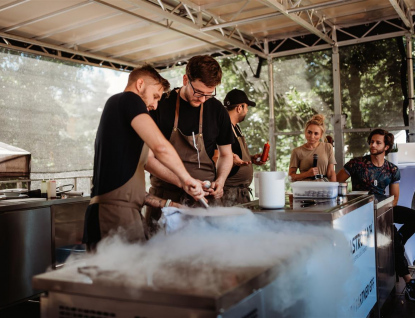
354	216
30	232
99	291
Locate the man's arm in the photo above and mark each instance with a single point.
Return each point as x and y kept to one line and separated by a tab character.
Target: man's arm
155	167
394	190
156	202
223	167
147	129
342	176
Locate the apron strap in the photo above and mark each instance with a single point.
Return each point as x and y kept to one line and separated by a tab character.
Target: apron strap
201	120
176	114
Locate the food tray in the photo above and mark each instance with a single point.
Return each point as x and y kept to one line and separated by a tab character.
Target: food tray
315	189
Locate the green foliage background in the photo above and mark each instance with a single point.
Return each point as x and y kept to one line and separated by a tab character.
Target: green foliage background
50	107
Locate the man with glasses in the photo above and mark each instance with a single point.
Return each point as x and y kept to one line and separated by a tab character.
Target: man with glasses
125	134
195	123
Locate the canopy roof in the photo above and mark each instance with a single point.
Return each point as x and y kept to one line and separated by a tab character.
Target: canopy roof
124	34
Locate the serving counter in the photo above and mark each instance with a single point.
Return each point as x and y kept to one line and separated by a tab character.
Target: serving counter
94	289
31	230
370	225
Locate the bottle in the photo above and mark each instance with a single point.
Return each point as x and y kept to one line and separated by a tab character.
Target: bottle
265	152
342	189
43	189
51	186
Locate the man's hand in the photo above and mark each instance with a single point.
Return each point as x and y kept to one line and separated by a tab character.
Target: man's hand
194	188
239	162
255	160
216	189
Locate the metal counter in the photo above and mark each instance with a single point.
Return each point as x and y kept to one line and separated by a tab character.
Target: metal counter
325	210
100	290
385	257
35	203
354	216
30	232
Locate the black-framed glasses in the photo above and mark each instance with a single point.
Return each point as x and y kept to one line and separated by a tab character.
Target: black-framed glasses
200	94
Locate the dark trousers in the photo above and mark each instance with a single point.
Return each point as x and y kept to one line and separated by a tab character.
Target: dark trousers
405	216
401	264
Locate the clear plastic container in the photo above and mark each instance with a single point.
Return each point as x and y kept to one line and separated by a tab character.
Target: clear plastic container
311	189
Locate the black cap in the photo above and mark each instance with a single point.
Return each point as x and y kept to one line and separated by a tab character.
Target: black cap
235	97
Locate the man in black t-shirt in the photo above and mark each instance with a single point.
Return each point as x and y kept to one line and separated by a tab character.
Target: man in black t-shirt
195	123
125	133
237	184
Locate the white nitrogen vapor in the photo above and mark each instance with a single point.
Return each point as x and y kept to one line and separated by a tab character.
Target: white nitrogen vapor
213	254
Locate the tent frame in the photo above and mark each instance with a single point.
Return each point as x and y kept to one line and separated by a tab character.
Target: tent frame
225	37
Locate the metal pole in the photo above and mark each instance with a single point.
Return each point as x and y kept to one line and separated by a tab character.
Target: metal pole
410	88
271	132
337	122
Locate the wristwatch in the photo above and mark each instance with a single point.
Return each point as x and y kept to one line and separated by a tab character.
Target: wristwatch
168	201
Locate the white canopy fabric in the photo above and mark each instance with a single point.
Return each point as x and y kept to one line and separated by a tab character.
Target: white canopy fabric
124	34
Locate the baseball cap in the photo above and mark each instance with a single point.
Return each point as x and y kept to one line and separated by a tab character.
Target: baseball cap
236	96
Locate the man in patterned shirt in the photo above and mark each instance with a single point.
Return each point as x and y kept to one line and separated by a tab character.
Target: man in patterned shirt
373	173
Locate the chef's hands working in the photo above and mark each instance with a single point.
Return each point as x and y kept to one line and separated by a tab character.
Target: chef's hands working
216	189
194	188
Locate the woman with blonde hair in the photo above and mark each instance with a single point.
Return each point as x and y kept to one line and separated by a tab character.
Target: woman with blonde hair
315	159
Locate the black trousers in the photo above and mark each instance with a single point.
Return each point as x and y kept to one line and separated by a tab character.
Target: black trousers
405	216
401	264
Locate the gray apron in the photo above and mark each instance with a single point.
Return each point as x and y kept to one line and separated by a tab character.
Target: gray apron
236	189
122	207
188	154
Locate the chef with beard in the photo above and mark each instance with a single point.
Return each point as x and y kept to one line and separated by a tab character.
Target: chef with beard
236	189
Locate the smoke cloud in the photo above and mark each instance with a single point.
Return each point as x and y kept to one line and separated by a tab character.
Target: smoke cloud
212	255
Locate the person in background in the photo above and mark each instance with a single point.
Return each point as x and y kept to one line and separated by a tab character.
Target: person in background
236	189
302	158
124	134
373	173
330	140
194	121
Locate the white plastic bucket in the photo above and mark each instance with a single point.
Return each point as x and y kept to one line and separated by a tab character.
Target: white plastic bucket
270	189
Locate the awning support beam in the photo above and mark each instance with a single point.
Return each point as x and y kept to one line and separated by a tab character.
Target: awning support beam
297	19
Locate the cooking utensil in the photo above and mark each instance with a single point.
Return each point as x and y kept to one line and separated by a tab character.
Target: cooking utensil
64	188
307	203
204	203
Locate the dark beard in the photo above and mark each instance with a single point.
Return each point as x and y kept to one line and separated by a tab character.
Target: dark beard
378	152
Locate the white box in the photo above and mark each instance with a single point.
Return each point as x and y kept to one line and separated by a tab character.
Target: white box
315	189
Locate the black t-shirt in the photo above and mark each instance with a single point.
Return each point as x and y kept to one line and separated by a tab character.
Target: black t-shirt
236	149
216	122
117	145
